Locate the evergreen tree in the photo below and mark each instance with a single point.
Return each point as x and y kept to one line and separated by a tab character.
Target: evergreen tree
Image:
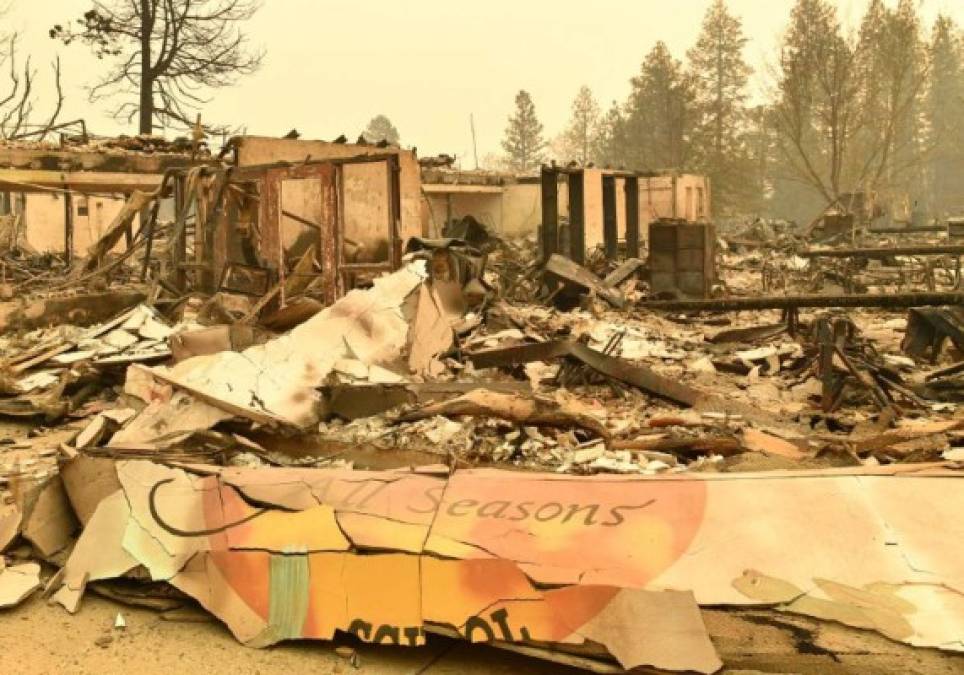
944	101
380	128
719	75
523	142
610	140
579	136
659	113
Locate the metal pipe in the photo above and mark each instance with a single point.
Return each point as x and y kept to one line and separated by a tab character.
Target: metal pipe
794	302
883	252
911	229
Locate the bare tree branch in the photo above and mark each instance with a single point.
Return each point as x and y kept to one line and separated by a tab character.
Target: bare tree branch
166	52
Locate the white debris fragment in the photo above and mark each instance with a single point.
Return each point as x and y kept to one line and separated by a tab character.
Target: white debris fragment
351	367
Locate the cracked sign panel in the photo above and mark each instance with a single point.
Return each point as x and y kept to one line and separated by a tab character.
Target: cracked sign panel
535	558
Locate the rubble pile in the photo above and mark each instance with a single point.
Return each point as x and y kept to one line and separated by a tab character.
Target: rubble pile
488	441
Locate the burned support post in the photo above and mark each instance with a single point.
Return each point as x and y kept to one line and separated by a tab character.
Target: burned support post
149	238
395	207
178	236
610	229
577	217
631	188
68	228
550	212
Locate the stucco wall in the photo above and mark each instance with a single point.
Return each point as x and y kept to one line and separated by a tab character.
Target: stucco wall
43	220
488	208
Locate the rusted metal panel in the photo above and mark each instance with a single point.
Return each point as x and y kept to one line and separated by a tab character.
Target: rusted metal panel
569	272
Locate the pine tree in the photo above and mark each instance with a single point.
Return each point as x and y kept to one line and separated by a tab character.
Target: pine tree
380	128
579	136
944	99
719	75
659	113
610	141
523	142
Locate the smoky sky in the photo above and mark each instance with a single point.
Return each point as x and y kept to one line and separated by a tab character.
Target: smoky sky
430	64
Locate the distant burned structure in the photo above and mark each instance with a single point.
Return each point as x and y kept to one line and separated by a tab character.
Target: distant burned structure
275	200
62	197
268	213
511	205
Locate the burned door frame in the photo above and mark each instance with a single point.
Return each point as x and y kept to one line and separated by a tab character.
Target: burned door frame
337	274
214	228
347	271
574	247
271	216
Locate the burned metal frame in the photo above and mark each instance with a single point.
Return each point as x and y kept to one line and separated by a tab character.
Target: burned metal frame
213	227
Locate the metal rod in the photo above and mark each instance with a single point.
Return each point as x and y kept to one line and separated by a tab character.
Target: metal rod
883	252
793	302
915	229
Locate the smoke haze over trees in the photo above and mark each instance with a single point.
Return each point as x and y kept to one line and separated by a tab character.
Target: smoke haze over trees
875	109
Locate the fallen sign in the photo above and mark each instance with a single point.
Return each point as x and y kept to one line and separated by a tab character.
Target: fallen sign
354	559
390	556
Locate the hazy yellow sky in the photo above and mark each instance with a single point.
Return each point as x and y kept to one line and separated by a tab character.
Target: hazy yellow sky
428	64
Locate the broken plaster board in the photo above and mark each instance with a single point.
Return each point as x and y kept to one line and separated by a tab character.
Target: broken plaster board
17	582
276	381
10	518
181	413
431	332
50	523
